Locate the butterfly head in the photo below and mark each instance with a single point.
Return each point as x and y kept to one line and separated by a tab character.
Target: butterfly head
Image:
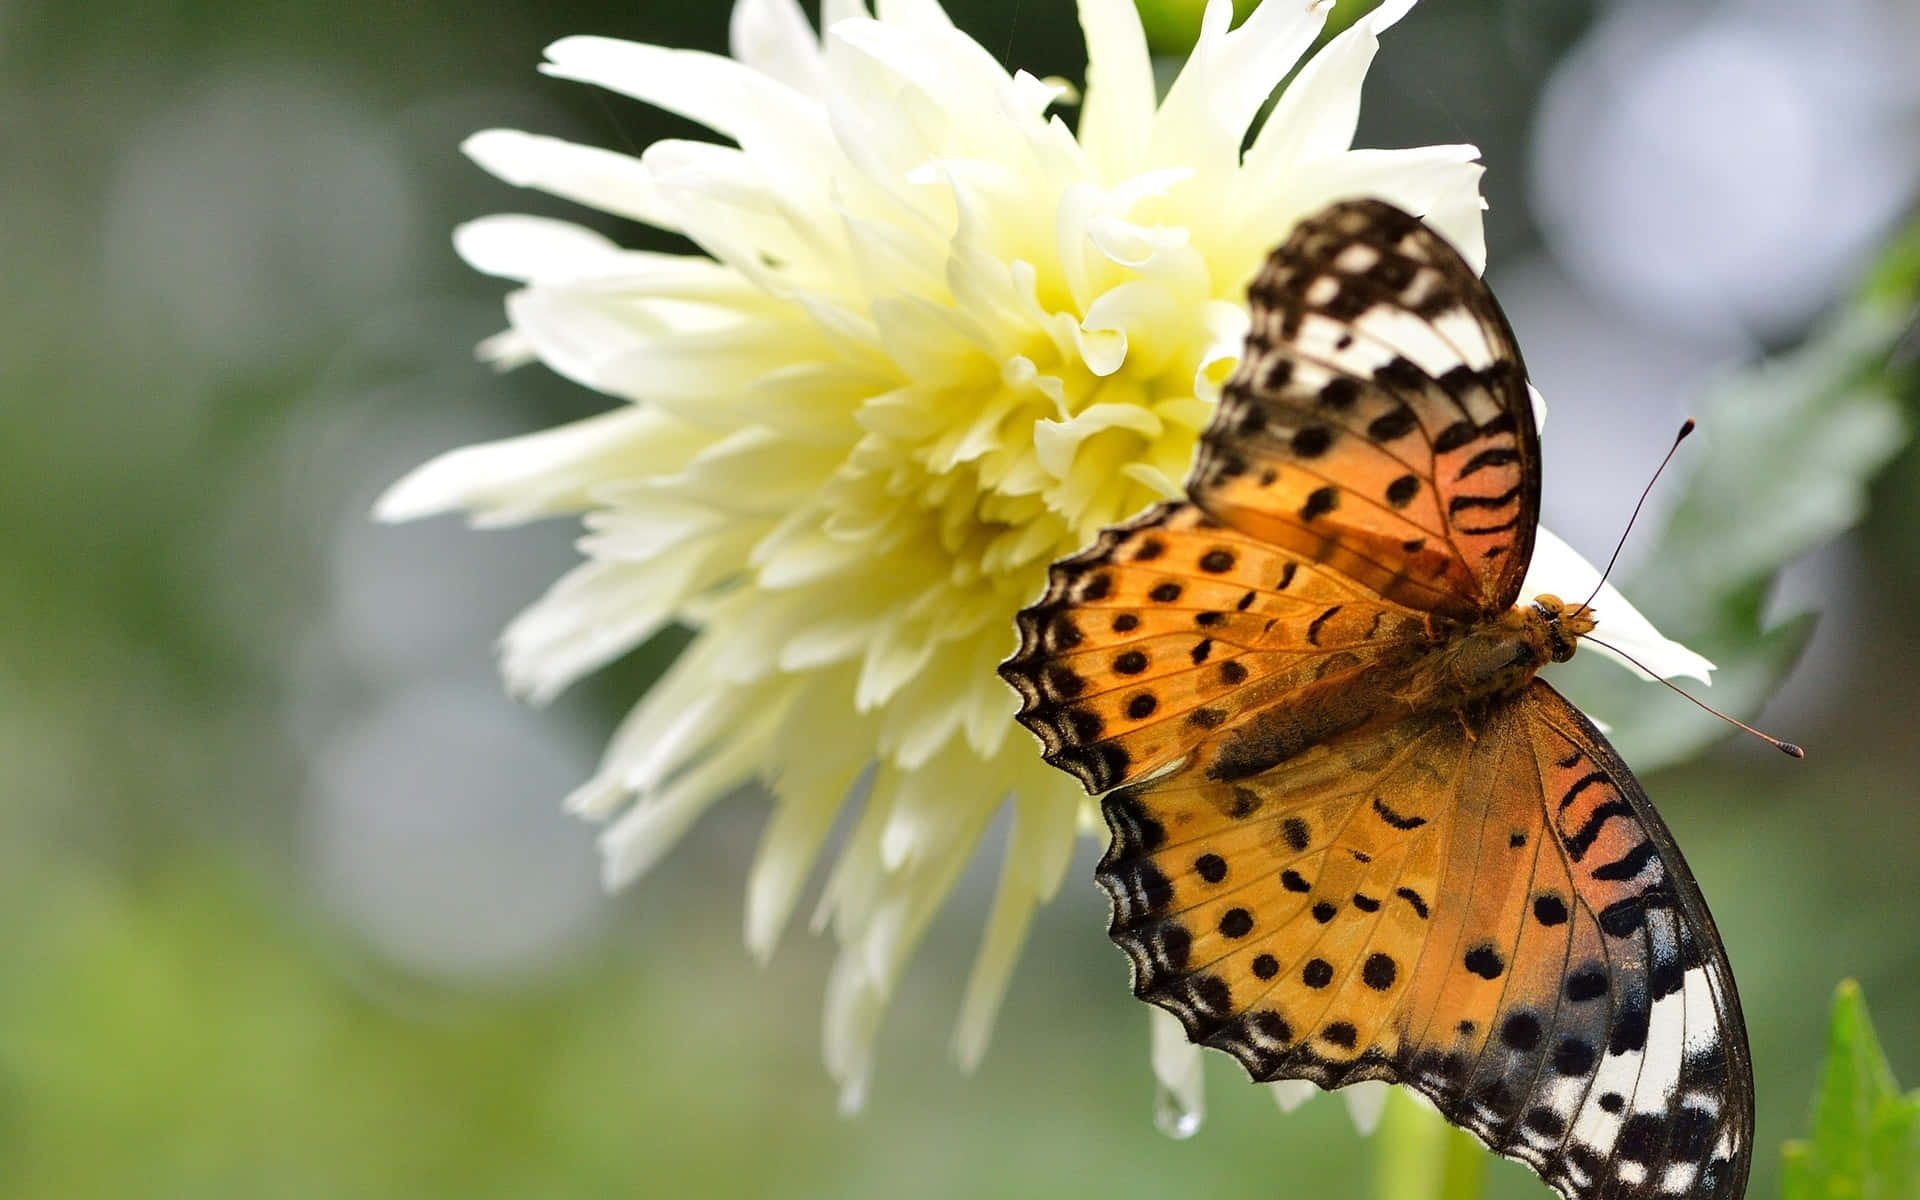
1565	625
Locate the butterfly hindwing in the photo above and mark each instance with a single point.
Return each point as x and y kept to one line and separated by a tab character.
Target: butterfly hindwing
1676	1054
1460	904
1380	419
1283	919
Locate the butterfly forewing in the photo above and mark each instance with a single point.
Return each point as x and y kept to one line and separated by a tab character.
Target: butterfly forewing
1173	634
1380	420
1462	906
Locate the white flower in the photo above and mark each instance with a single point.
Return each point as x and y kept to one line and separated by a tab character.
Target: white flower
940	340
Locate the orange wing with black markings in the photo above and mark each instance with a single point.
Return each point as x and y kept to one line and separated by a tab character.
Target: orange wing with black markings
1380	419
1482	906
1354	837
1173	630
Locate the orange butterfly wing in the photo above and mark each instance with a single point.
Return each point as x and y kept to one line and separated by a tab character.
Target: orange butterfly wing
1172	634
1380	421
1482	906
1318	868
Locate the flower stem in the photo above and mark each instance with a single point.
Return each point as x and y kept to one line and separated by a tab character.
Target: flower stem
1421	1157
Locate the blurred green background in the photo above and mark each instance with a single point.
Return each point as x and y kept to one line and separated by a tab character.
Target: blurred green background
292	907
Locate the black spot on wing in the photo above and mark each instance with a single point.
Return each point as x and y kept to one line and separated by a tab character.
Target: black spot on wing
1395	819
1320	502
1483	960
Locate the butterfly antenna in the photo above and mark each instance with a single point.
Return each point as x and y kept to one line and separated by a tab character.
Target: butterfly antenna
1785	747
1686	427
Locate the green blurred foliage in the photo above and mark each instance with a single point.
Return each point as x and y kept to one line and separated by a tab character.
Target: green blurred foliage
1798	442
236	316
1866	1132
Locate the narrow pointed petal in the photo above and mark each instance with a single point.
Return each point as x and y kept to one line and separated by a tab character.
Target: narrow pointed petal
774	38
1366	1100
1316	116
1290	1094
521	247
601	179
542	474
1230	75
1181	1072
1037	855
1119	102
767	117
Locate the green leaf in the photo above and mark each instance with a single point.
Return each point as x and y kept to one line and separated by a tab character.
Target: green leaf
1866	1133
1794	444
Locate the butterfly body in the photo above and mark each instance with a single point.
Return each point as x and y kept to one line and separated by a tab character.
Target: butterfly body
1455	670
1354	835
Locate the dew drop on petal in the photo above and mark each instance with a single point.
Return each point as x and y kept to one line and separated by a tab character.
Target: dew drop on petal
1172	1115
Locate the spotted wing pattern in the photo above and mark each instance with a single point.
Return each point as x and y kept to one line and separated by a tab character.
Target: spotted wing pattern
1480	905
1172	634
1315	866
1380	419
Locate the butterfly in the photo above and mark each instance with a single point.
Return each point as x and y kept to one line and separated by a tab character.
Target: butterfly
1353	835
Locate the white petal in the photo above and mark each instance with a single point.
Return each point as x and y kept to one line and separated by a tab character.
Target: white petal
832	12
1058	442
559	254
726	203
1137	311
848	1026
796	829
1437	183
773	37
505	351
1119	100
681	717
1558	569
636	353
989	709
1365	1102
925	819
602	179
938	65
754	472
641	522
1038	851
602	609
653	826
1290	1094
1182	1074
920	719
1317	114
582	337
542	474
1228	77
769	119
519	247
